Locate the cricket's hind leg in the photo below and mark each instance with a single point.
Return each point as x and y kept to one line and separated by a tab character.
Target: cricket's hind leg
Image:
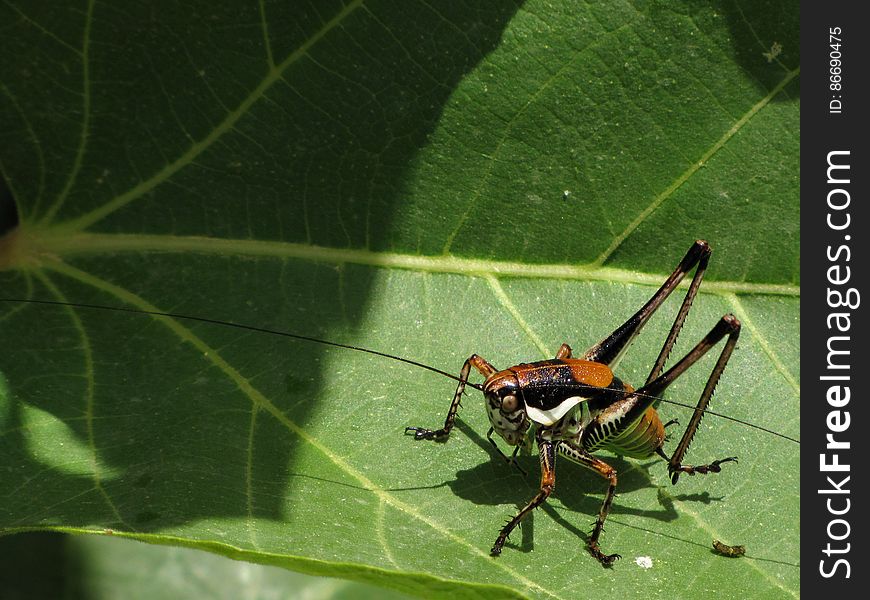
727	326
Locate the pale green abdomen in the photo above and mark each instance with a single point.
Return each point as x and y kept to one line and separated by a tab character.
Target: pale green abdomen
639	440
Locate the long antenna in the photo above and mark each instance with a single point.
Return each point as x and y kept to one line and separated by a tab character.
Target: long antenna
305	338
295	336
721	416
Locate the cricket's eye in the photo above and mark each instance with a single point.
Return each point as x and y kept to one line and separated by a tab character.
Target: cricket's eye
509	403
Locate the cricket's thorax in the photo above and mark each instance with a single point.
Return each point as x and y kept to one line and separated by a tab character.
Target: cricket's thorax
548	393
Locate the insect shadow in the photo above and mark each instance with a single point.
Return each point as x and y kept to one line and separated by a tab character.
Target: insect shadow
495	482
485	483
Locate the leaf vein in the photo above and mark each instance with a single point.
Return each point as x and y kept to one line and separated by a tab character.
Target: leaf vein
763	342
88	357
197	148
86	119
506	303
693	168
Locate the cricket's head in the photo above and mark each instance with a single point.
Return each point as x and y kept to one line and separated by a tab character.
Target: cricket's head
505	407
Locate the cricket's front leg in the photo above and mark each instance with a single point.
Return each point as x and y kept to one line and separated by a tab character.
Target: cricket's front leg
485	369
548	482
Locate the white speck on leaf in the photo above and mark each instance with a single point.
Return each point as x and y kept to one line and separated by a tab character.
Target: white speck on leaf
644	562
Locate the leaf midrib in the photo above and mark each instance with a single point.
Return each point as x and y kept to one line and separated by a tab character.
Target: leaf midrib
36	247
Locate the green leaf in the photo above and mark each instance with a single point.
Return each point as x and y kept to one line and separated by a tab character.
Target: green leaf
427	180
41	565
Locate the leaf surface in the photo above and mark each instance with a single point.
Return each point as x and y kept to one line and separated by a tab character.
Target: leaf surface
427	180
88	567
